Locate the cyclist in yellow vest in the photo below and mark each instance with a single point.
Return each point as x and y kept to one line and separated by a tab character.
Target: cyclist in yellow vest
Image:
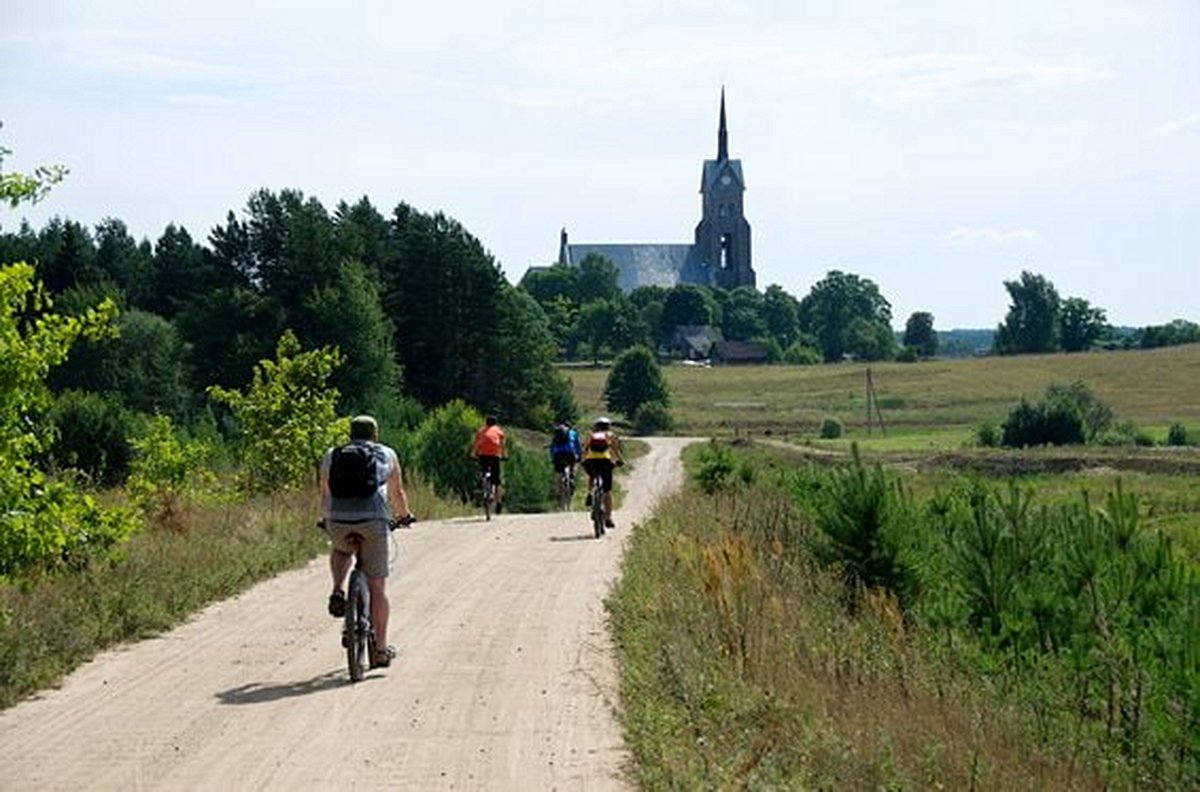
601	454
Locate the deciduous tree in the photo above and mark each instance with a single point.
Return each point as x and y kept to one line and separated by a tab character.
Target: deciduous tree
830	309
1080	324
635	380
1032	322
920	335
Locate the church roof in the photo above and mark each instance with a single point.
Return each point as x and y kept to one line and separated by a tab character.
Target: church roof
641	264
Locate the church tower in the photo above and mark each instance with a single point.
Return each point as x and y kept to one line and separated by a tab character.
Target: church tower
723	235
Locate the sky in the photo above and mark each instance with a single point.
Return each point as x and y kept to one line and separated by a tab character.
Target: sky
936	148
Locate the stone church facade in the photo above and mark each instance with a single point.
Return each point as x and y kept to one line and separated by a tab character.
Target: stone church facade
720	253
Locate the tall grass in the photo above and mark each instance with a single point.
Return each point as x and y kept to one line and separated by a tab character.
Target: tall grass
1002	644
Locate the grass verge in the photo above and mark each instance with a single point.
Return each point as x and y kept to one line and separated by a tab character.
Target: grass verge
52	622
746	662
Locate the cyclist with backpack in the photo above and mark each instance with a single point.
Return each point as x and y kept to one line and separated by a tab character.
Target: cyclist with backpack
601	454
565	449
361	488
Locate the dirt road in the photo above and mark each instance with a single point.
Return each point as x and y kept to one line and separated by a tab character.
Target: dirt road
504	680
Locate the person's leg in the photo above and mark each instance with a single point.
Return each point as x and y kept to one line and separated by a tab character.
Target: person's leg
380	610
376	553
608	485
589	467
339	567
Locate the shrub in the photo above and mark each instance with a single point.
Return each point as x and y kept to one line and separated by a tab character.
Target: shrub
908	355
799	354
1095	415
987	435
1125	434
831	429
443	450
166	469
528	480
287	415
716	468
92	435
1178	435
1066	415
1042	424
44	521
652	417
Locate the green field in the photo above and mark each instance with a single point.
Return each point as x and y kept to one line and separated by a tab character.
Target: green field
934	404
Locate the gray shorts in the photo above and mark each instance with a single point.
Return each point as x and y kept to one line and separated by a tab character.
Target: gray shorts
375	547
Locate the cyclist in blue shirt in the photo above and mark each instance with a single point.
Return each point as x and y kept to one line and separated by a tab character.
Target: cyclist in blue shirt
565	449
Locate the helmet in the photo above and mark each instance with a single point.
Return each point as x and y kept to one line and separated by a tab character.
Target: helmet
602	422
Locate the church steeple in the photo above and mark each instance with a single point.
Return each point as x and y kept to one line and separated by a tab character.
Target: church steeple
723	236
722	133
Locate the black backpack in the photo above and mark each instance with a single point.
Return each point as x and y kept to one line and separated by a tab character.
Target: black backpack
354	471
562	437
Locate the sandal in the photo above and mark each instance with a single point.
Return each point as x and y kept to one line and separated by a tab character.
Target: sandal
337	604
383	657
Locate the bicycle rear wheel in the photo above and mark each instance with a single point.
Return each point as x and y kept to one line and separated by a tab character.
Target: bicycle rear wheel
357	630
564	491
489	495
598	511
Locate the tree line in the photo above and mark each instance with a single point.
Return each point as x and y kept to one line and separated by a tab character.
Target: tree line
419	309
592	318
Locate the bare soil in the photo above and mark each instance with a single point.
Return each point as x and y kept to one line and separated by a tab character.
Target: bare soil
505	677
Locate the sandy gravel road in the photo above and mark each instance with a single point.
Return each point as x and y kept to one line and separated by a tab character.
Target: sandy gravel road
505	677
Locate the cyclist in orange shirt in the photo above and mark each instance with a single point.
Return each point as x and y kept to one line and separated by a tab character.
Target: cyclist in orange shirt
489	449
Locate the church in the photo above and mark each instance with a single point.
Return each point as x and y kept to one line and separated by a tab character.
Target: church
720	254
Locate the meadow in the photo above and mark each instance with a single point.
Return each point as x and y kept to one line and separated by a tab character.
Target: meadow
930	404
938	615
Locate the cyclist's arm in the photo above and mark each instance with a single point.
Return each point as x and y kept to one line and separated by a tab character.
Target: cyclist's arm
396	493
325	486
616	446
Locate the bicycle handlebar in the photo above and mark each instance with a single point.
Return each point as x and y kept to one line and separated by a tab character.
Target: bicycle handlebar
393	524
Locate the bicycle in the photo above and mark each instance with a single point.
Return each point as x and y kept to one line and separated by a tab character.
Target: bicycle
358	636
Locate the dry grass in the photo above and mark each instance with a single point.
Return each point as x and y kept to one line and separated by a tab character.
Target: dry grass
741	668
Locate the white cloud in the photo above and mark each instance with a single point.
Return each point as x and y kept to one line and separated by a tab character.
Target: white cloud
928	76
889	80
1187	125
987	235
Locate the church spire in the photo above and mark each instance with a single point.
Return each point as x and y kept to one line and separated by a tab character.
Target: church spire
722	133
